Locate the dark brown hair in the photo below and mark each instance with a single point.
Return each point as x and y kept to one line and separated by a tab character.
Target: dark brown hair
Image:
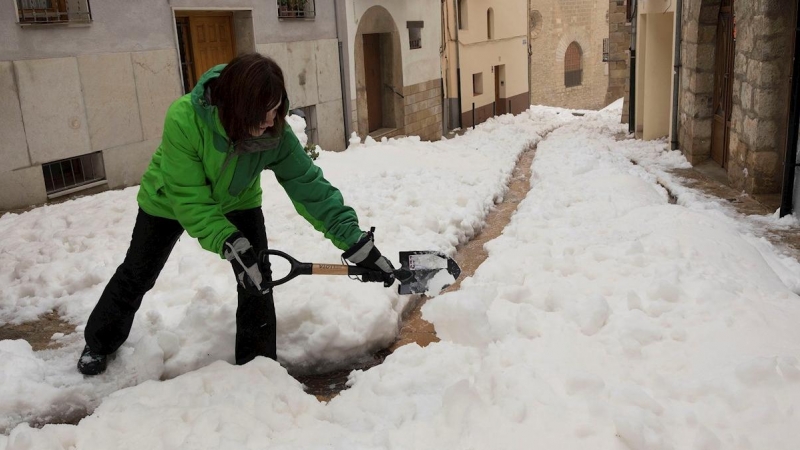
247	88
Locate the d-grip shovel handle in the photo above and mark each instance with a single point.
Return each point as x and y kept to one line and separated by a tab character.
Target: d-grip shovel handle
301	268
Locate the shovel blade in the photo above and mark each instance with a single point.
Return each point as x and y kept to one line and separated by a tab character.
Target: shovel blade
426	271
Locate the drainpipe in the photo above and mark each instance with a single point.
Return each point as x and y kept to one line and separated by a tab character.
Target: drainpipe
530	58
632	76
790	165
676	72
342	72
458	62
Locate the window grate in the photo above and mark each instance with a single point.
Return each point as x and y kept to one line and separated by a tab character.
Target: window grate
573	66
53	11
73	172
605	50
296	9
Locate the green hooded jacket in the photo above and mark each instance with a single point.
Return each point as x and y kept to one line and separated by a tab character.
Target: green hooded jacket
196	176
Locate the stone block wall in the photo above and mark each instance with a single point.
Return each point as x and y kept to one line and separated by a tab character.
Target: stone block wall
760	94
619	42
699	29
555	24
761	71
112	103
423	109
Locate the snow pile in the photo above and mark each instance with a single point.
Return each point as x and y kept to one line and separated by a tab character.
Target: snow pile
604	318
419	196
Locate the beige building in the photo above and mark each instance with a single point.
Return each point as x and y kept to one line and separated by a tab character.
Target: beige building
569	46
484	59
723	93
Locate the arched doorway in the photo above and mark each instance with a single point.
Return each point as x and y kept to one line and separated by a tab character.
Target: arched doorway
379	74
723	84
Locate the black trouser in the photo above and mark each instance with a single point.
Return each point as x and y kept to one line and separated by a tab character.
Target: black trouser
152	241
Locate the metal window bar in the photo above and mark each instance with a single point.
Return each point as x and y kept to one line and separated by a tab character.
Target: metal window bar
605	50
573	78
53	11
296	9
70	173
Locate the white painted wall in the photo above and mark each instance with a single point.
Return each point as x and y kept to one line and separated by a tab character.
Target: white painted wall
655	50
419	65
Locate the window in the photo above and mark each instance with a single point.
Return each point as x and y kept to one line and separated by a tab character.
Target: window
573	66
72	173
605	50
53	11
296	9
415	34
490	24
462	14
477	84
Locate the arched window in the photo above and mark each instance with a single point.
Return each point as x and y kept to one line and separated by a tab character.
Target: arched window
573	65
462	14
490	24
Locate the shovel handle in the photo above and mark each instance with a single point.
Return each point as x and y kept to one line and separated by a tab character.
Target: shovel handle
301	268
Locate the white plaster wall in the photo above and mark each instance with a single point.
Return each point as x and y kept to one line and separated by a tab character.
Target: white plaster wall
481	58
52	108
311	72
419	65
109	92
22	187
157	86
125	164
657	71
330	125
329	86
13	146
301	73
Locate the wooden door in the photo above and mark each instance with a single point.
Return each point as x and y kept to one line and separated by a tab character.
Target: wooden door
372	69
212	40
723	85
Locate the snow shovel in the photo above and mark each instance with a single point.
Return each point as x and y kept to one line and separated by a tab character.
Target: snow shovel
419	272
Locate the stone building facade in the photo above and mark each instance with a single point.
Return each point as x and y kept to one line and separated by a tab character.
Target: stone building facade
555	25
759	92
619	42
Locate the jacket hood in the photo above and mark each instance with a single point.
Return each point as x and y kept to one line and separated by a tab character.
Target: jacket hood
201	101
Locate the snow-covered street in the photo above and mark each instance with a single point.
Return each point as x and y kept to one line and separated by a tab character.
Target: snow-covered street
605	317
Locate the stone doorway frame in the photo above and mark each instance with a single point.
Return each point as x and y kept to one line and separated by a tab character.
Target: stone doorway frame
696	113
378	20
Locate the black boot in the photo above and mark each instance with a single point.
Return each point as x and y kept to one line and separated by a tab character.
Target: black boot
91	363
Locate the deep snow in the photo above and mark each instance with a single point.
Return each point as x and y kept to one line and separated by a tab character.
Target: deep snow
604	317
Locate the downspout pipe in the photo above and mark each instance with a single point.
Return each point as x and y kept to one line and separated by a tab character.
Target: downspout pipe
342	77
676	72
458	61
790	165
632	76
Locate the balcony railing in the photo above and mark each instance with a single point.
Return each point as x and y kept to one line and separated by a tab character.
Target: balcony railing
53	11
296	9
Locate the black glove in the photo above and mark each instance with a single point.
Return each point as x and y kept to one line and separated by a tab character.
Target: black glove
364	254
249	273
